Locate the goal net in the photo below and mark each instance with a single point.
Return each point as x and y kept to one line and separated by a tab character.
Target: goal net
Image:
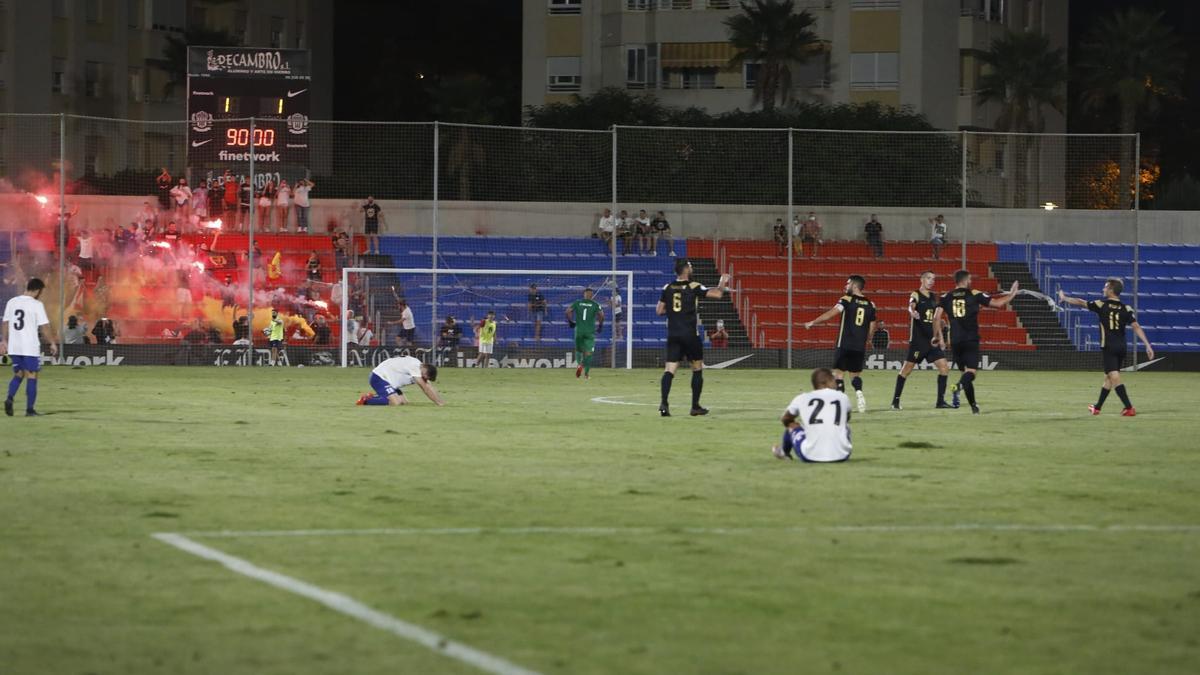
437	315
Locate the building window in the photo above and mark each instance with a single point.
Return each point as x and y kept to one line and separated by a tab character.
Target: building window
91	79
639	5
874	70
987	10
699	78
136	85
277	30
641	66
673	4
199	17
58	76
241	19
874	5
565	6
721	4
168	15
91	155
299	34
750	74
133	10
58	8
92	11
563	74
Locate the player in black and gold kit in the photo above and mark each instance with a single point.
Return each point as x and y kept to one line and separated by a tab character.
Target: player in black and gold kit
679	302
922	305
1114	317
962	305
854	334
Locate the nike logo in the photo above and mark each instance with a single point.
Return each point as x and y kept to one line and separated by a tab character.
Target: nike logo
1139	366
196	144
295	93
730	362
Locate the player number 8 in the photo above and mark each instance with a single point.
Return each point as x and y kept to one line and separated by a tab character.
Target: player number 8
860	315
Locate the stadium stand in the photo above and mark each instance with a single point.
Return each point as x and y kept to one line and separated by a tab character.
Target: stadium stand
1168	289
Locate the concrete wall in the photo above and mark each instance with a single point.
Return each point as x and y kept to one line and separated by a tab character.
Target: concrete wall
555	219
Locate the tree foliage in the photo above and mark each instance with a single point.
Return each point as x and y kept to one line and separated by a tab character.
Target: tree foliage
774	35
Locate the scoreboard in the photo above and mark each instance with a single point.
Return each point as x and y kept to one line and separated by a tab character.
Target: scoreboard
229	85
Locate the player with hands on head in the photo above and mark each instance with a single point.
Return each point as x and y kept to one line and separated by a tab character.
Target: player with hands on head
680	302
1114	317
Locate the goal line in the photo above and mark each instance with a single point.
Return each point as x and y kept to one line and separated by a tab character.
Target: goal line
626	276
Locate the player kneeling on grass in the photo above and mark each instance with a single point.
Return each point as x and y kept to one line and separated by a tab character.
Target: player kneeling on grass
392	375
1114	317
818	423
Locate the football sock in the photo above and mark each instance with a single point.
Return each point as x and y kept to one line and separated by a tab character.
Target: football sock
13	385
697	387
841	384
587	364
1120	392
900	380
31	393
1104	392
942	380
856	383
968	386
376	400
786	445
666	386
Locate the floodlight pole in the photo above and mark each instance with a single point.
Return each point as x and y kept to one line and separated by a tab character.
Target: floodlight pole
1137	227
963	191
62	232
791	209
250	259
612	353
433	263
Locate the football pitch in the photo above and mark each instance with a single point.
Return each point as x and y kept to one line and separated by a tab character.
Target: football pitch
543	524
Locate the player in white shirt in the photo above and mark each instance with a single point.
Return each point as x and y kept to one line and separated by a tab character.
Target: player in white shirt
392	375
818	423
25	322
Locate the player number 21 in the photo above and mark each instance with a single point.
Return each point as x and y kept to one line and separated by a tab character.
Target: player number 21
818	405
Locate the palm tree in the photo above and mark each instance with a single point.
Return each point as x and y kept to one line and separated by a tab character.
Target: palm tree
772	34
1133	59
1025	76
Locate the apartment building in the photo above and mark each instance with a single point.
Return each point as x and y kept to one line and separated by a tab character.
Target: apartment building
918	53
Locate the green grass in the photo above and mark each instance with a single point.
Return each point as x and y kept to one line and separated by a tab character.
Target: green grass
133	451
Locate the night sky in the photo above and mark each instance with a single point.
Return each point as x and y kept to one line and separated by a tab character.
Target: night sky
383	47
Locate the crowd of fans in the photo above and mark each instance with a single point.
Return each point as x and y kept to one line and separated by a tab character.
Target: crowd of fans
639	234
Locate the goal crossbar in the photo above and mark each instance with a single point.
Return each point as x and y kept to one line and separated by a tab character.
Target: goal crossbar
433	273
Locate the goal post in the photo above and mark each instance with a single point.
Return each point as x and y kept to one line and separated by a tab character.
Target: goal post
372	300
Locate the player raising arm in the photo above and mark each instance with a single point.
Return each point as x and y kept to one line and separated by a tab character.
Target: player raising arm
817	424
1114	317
390	376
24	318
854	334
679	302
962	305
587	318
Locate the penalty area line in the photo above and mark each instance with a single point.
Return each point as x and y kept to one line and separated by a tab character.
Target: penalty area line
347	605
1181	528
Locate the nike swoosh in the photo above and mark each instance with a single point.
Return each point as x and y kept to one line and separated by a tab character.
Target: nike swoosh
196	144
295	93
1139	366
730	362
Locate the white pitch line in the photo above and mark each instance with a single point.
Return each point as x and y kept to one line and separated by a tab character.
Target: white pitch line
608	531
350	607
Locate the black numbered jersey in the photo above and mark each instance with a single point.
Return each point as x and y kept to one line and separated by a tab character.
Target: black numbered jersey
1114	316
682	300
924	304
857	315
962	306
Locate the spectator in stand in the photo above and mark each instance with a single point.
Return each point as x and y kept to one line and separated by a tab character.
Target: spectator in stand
245	196
341	251
196	334
618	313
449	336
172	235
147	219
164	183
719	337
640	229
937	235
874	231
200	200
312	268
266	202
283	204
228	293
105	332
537	310
214	335
181	196
183	299
364	336
87	250
660	229
372	214
624	231
241	329
810	234
322	335
608	230
300	192
780	235
229	199
76	331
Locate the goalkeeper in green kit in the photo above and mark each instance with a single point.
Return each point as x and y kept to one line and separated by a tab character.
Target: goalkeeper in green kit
587	318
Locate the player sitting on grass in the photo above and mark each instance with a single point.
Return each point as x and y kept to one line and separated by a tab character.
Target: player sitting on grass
587	318
1114	317
818	423
390	376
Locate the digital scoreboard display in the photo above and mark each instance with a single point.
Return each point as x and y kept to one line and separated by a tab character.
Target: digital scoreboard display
229	85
